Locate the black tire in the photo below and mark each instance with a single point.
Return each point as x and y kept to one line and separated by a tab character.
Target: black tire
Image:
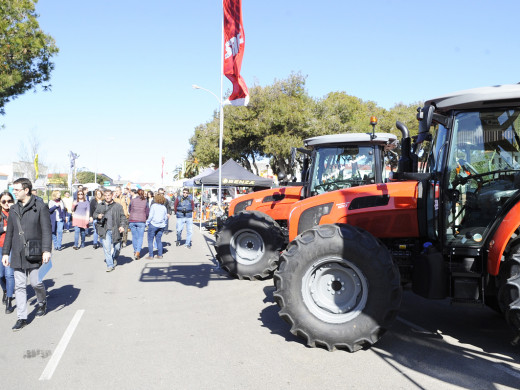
317	267
509	289
249	245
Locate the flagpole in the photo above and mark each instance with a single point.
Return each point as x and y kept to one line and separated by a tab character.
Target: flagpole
221	134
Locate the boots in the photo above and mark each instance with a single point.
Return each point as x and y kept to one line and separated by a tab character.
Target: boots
9	306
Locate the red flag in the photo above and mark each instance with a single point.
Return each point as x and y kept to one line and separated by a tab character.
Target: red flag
162	168
234	51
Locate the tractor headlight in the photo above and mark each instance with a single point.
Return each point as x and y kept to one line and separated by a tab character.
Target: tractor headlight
312	216
241	206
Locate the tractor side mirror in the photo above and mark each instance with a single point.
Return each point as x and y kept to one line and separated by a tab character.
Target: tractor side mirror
425	118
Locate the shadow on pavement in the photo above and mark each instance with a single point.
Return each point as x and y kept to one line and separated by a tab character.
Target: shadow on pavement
57	299
478	339
122	260
272	321
196	275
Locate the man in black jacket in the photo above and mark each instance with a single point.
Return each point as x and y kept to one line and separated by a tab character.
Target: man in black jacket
35	222
111	222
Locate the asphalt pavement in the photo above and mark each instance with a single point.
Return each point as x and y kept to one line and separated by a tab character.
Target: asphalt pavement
181	323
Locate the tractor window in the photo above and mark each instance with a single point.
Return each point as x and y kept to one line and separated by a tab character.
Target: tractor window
483	172
342	167
431	153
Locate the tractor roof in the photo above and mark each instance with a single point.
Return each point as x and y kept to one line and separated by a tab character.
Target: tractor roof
478	98
351	138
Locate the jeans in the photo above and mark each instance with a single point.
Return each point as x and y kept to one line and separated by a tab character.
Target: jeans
111	249
137	229
57	235
77	231
68	225
95	239
20	280
7	273
155	232
189	228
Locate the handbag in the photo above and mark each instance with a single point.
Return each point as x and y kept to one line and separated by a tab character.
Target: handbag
32	248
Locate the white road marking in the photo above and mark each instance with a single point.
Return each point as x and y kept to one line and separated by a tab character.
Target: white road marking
62	345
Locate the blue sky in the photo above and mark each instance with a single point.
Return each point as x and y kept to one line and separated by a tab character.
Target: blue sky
122	96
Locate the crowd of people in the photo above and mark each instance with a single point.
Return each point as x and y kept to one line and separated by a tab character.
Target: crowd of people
27	238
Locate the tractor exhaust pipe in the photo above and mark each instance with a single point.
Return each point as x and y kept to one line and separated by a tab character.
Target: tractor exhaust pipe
401	126
406	161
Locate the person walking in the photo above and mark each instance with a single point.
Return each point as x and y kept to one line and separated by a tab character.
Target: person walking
29	221
57	215
97	199
111	222
6	272
149	197
156	222
67	201
183	208
138	214
123	201
168	208
80	219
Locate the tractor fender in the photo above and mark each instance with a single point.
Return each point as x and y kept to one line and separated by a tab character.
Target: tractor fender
500	239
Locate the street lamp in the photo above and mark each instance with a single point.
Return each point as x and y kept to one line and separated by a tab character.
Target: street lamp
221	135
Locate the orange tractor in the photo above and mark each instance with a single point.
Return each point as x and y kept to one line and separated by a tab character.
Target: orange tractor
447	224
250	241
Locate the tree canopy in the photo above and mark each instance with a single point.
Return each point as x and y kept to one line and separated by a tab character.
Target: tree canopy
280	116
88	177
25	50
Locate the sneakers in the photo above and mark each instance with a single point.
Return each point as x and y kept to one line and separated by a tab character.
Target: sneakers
159	257
75	247
137	255
42	309
149	258
110	269
96	246
9	306
178	243
19	325
188	246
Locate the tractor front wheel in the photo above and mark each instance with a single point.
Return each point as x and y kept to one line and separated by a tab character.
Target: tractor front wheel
249	244
337	287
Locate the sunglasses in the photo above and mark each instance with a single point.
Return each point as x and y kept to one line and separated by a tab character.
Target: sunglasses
7	201
80	193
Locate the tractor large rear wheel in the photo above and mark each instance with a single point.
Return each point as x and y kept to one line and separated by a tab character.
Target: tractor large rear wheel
249	244
509	290
337	287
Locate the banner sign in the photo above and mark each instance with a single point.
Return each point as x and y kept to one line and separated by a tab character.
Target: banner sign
238	182
234	42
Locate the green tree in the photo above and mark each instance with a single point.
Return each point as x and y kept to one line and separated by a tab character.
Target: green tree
341	113
25	50
88	177
191	167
